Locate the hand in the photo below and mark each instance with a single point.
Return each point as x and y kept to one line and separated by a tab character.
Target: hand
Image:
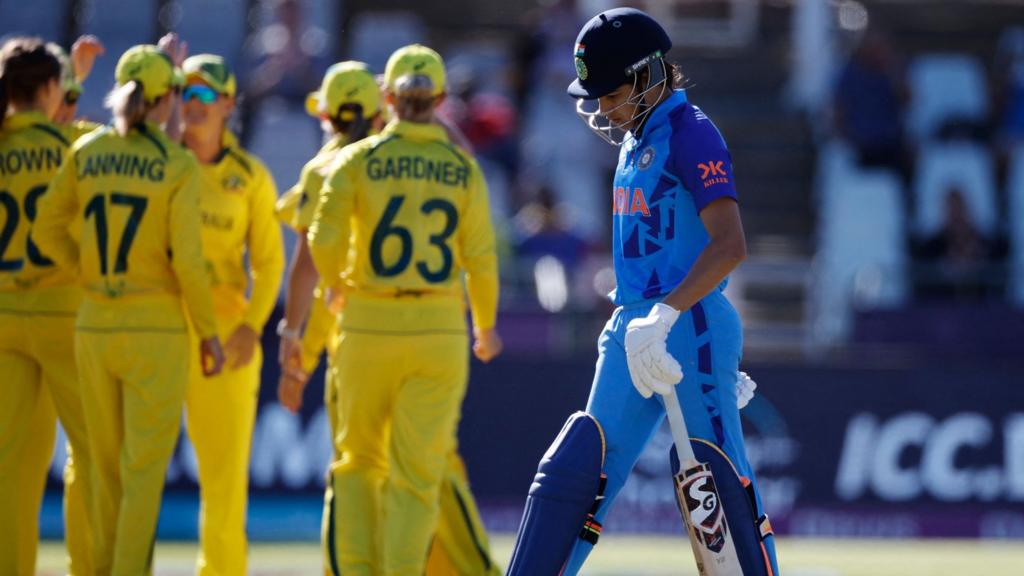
290	388
289	347
335	299
487	344
83	54
211	356
241	346
745	387
175	48
651	368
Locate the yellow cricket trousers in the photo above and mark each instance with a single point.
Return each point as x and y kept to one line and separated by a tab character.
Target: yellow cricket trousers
399	396
460	547
134	383
37	361
219	414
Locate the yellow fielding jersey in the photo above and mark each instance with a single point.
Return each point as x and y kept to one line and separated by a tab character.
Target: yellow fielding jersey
237	208
135	200
287	207
302	197
32	149
78	128
295	209
406	212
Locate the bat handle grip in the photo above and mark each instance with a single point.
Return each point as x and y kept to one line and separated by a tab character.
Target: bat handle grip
677	424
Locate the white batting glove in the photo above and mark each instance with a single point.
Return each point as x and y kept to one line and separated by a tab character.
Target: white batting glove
651	368
745	387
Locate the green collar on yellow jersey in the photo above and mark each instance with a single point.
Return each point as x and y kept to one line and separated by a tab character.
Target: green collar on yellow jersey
415	130
229	147
37	120
25	119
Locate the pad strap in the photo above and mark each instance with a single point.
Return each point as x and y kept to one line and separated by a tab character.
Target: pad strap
591	527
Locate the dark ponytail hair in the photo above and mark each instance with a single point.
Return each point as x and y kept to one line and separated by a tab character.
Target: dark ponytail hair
25	67
128	104
356	126
677	80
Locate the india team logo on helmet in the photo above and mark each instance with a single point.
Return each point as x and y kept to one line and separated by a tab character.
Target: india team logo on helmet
621	44
581	67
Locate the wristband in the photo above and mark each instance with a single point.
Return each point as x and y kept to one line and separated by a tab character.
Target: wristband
285	332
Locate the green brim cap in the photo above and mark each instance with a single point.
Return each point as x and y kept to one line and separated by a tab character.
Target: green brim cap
212	70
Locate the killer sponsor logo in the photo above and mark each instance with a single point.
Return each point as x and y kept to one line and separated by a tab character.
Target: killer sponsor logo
712	173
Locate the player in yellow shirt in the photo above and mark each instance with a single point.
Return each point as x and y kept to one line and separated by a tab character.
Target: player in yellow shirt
134	196
237	206
349	104
38	302
402	218
74	70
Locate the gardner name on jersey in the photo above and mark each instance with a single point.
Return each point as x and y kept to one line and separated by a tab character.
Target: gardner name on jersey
418	168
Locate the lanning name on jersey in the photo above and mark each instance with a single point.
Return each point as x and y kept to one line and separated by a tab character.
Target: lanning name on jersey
128	165
417	168
34	159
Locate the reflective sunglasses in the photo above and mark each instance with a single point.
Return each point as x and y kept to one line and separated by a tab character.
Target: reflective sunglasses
204	94
71	98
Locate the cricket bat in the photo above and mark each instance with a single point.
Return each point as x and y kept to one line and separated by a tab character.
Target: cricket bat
699	504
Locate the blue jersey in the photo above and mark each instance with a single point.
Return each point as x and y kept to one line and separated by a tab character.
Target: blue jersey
679	165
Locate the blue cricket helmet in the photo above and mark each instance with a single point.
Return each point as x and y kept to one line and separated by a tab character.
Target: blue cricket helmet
612	47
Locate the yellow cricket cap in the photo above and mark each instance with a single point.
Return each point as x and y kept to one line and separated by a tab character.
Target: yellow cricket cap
212	70
149	65
415	60
347	82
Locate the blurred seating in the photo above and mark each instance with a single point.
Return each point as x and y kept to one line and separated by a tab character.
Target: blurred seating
945	88
1015	217
966	166
375	35
869	104
32	18
861	256
836	160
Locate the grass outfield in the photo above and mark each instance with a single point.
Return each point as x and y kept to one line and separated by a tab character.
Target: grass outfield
664	556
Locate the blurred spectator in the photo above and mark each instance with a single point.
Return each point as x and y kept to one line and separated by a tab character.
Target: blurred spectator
959	262
550	249
542	232
488	121
1009	92
288	62
870	101
558	150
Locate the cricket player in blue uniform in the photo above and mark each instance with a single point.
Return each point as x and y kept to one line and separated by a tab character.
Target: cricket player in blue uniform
677	236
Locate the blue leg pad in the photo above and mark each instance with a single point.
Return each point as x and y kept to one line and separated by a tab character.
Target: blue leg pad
562	500
747	527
